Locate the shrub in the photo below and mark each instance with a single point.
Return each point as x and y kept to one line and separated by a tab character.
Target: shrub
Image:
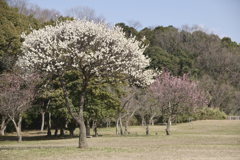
210	113
201	114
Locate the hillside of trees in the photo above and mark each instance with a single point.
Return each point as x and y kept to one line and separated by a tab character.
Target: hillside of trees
209	59
213	63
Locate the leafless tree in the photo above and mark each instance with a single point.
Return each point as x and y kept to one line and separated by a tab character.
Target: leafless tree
149	108
22	5
221	94
125	100
168	40
127	94
136	103
134	24
44	15
84	12
26	8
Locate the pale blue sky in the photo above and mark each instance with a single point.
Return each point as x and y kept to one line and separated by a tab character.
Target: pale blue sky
222	17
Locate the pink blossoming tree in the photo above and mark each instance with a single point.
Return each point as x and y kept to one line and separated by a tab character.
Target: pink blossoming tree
16	95
177	95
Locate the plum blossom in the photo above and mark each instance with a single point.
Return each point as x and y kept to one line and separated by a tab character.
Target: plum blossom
82	44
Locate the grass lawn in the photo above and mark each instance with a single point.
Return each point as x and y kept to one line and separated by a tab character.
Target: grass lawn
203	141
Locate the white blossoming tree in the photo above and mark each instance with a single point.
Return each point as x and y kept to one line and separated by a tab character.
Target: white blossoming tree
96	50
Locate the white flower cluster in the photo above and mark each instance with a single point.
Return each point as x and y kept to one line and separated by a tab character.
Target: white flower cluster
93	48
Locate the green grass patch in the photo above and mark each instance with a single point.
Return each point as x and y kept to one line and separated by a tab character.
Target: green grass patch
208	139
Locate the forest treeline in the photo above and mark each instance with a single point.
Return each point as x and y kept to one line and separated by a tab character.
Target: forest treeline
213	61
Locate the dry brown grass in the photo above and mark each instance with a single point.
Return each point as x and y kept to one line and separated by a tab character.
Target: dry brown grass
204	141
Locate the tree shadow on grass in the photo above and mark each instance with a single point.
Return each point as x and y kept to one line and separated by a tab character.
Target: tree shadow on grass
36	138
39	137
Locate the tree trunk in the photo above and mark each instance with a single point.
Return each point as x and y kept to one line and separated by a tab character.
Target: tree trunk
117	132
49	124
151	119
71	133
93	125
168	125
147	130
62	126
61	131
82	136
121	128
143	122
66	124
108	124
128	119
88	129
126	126
78	119
57	124
95	131
169	120
163	117
82	132
2	131
56	131
18	128
43	120
3	125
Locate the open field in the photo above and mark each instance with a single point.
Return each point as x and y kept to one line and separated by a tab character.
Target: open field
204	141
